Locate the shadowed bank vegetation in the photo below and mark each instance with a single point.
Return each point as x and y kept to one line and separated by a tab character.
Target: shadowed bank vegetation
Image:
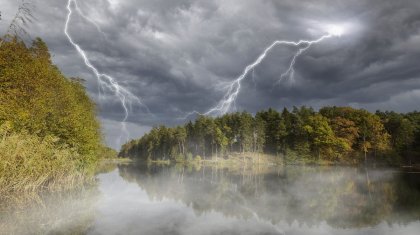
333	134
49	136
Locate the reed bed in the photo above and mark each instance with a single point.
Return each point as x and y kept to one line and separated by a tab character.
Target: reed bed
29	163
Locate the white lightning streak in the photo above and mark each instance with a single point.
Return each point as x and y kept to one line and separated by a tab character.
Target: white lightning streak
126	98
228	101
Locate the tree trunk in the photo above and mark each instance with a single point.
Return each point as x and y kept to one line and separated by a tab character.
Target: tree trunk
365	147
183	148
216	153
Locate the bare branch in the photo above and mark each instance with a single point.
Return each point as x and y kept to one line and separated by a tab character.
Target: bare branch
20	23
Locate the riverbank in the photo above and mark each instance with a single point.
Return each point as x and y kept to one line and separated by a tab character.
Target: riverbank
50	138
235	159
249	159
30	163
244	159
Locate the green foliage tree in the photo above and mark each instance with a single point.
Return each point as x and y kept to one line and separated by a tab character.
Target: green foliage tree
258	135
53	136
321	134
180	135
345	129
401	129
270	119
35	96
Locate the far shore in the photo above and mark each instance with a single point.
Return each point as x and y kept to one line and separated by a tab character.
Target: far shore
261	159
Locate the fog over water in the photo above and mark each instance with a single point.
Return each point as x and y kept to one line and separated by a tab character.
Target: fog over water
139	199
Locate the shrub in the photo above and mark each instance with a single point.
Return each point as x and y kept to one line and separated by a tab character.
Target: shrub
189	157
179	158
197	158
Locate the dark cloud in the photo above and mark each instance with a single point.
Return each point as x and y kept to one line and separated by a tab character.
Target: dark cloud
176	55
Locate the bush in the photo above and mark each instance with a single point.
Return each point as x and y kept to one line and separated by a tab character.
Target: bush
189	157
179	158
197	158
107	153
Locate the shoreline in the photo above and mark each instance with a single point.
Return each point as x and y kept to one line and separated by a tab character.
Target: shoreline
254	159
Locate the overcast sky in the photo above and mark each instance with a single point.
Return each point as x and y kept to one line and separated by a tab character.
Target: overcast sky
177	55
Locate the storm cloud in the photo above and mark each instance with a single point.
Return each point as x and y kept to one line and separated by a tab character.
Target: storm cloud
177	55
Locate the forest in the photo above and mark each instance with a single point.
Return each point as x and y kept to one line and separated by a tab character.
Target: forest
333	134
49	134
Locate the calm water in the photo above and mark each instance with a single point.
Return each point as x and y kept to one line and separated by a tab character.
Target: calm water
132	199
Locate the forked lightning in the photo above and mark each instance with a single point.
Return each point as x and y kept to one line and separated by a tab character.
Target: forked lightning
126	98
227	103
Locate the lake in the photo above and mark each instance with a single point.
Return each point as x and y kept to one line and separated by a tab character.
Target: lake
141	199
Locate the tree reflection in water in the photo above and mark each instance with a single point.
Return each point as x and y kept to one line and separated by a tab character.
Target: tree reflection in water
141	199
53	213
342	197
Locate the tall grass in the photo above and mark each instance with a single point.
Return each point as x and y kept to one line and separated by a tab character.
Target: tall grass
29	163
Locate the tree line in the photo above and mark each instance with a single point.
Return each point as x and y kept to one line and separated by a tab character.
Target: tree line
341	134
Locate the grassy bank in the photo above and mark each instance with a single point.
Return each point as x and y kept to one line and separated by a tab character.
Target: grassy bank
231	160
252	159
241	159
29	163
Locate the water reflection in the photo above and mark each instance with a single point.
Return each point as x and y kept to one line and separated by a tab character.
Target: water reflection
56	213
290	198
141	199
127	208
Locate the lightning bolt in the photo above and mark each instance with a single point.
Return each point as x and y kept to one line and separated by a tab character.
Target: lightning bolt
105	81
233	88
